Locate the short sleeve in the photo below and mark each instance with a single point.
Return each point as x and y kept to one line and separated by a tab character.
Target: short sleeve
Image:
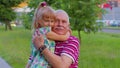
71	49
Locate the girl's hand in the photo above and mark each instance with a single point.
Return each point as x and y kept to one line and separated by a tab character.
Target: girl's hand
28	65
38	41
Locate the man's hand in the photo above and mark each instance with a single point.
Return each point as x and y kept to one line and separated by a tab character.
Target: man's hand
38	41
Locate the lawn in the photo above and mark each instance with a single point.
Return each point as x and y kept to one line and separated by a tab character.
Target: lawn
100	50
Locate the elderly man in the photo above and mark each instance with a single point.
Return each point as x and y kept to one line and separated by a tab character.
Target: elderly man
66	52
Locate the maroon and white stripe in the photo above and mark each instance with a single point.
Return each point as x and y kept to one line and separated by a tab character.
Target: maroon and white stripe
69	48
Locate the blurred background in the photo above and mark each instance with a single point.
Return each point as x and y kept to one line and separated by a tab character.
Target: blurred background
95	22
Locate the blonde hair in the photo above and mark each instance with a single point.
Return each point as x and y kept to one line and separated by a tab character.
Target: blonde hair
41	13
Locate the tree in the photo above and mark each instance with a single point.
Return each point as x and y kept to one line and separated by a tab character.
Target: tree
6	12
83	13
34	3
27	20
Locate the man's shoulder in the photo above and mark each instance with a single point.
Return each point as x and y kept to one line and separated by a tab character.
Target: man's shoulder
72	39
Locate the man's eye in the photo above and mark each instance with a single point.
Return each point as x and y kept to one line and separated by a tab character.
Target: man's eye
64	21
46	20
52	21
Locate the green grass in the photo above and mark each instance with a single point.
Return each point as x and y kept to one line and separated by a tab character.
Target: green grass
15	46
100	50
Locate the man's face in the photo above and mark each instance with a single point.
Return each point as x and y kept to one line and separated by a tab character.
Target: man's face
61	26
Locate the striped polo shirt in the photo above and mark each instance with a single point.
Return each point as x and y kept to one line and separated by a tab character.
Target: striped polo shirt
69	48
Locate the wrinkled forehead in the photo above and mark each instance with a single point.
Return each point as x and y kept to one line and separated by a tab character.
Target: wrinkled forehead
62	13
62	16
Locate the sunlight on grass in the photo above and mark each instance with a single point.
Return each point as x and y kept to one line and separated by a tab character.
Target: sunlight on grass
100	50
15	46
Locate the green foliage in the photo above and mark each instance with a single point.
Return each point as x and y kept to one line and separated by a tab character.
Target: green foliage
6	11
10	3
34	3
83	14
27	20
7	14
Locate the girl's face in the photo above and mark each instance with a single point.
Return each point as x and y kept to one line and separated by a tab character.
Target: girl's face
47	22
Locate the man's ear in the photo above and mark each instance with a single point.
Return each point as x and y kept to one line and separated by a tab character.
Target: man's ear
69	26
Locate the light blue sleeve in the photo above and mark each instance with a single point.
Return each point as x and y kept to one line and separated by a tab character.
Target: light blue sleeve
44	30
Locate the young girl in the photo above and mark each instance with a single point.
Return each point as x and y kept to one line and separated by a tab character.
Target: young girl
44	20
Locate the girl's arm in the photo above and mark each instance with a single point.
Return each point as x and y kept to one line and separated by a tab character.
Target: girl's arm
33	49
53	36
28	65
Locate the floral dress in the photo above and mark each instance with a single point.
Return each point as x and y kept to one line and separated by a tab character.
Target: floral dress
36	59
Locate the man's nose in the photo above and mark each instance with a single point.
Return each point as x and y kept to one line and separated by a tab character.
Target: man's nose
59	23
49	23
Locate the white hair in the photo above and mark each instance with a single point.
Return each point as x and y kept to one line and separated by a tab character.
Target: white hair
62	11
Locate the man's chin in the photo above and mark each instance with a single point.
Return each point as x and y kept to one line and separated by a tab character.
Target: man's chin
60	32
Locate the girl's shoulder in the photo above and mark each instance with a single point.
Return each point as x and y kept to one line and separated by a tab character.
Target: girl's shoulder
44	30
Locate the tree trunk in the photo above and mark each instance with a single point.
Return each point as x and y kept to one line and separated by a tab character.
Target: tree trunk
7	25
79	35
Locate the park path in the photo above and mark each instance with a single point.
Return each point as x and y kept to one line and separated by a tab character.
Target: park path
4	64
107	30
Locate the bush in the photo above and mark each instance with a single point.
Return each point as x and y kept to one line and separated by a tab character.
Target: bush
27	20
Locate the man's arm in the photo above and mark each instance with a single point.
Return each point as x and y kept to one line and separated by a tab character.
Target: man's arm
57	61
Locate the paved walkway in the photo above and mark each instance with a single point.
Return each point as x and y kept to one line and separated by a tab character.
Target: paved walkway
4	64
115	31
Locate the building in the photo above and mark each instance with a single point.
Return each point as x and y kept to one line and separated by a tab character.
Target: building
20	9
112	17
114	13
114	3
